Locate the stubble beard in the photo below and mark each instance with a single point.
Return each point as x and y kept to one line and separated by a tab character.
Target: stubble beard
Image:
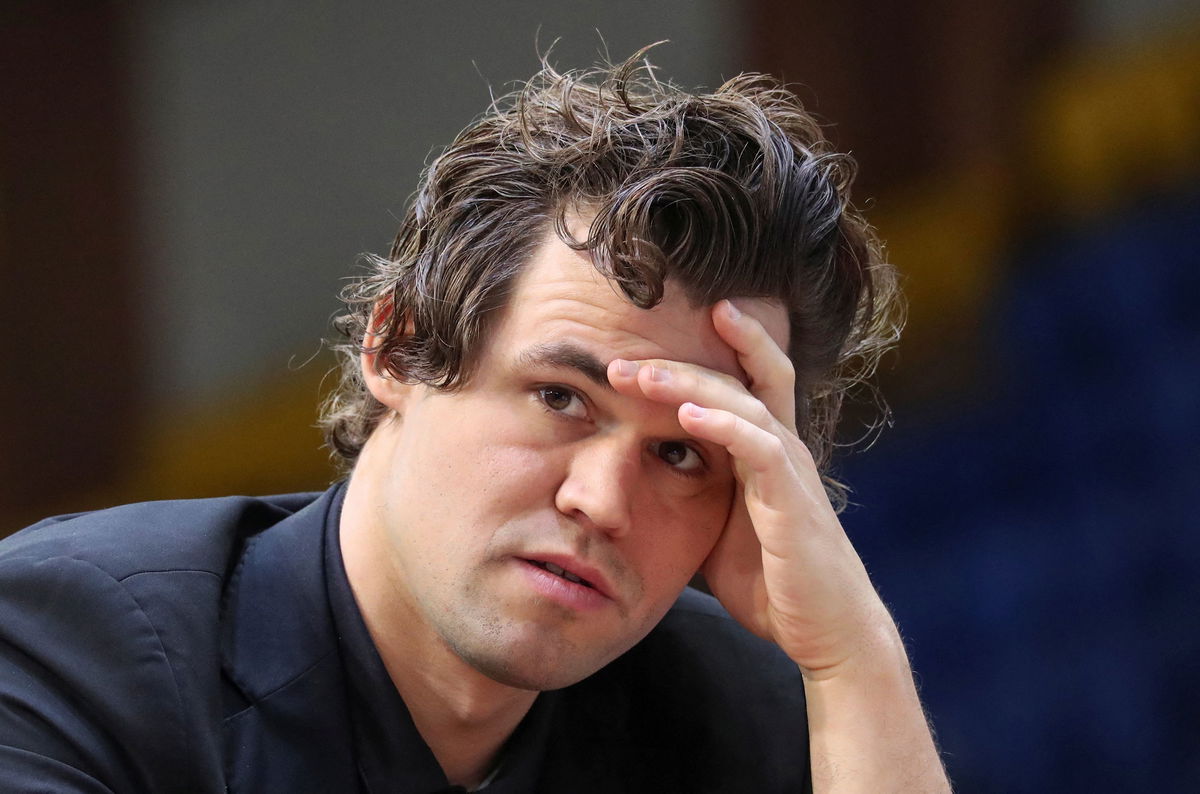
520	652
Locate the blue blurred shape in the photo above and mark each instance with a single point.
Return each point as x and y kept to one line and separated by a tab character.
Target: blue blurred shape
1041	547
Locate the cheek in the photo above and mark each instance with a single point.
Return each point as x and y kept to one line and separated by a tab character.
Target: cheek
474	448
680	533
702	506
515	461
504	482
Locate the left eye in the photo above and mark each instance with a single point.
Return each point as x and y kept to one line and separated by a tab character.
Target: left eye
562	400
678	455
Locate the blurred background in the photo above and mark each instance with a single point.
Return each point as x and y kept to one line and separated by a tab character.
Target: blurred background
184	186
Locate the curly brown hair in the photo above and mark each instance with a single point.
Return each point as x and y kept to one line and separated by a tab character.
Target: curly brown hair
734	193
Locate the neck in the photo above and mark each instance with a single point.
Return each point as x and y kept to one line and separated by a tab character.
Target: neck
464	716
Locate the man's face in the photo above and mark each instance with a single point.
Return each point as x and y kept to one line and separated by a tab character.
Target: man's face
495	497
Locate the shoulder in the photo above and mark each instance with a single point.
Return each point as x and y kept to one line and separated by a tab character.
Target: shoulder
109	645
153	536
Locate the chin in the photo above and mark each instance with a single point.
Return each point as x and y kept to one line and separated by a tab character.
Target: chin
537	666
521	677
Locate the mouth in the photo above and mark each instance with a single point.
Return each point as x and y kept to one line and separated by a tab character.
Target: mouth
564	573
572	574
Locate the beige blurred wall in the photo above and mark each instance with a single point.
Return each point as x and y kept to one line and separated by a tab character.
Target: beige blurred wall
277	141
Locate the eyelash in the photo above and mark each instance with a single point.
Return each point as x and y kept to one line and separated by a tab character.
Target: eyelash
698	471
574	395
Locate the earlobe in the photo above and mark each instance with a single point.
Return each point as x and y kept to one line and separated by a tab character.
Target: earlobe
383	384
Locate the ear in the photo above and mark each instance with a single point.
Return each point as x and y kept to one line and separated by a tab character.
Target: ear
383	385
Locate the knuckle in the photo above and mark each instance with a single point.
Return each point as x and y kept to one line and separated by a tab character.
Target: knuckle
730	424
728	381
787	370
762	415
801	451
776	448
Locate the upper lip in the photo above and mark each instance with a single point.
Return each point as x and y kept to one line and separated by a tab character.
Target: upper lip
594	576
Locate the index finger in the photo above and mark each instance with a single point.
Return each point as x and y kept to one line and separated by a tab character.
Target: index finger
758	334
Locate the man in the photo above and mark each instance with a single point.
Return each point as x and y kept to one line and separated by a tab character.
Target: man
606	351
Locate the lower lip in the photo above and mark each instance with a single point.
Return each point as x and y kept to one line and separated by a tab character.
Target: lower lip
561	591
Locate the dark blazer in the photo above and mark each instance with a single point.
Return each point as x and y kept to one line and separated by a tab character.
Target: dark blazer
189	647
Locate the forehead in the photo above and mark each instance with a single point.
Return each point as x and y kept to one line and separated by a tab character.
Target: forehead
561	297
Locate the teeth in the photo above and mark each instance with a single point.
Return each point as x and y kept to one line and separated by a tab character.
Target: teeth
570	577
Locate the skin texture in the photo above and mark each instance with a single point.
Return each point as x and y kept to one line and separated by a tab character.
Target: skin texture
638	445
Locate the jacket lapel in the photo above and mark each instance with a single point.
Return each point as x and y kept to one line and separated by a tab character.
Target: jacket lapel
291	730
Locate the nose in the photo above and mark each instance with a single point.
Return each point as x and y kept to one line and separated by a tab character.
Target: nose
598	487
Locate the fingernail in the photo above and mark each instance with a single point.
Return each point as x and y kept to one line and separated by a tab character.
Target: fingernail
733	311
695	410
626	369
659	374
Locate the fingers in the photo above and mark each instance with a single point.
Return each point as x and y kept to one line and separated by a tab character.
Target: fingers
781	487
761	353
674	382
756	422
769	397
774	469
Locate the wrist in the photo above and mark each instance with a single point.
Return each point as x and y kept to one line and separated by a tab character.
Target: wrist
867	729
869	647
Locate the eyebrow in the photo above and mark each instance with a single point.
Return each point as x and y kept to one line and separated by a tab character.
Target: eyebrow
565	355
